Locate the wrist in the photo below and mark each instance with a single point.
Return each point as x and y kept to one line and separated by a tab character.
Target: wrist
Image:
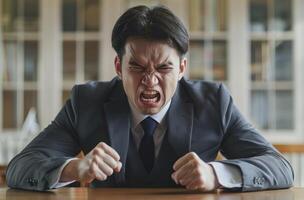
70	171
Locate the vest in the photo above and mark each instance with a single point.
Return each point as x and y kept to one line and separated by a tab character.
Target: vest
160	175
137	176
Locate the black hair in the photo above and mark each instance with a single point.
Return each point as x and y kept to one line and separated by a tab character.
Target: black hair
155	23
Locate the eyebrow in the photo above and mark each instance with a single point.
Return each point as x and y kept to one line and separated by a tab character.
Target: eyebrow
134	62
167	61
134	59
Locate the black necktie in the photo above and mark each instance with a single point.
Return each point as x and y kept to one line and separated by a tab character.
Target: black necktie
146	148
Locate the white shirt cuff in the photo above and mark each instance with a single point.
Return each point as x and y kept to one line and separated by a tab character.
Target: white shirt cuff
228	176
58	184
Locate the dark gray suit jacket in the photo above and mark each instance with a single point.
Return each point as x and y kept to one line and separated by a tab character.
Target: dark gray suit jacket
202	118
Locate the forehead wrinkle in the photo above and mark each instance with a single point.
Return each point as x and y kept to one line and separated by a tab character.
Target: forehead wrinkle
132	51
159	54
135	56
166	59
154	53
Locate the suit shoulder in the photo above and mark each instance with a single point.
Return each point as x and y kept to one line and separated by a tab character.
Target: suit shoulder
202	93
201	88
89	97
95	90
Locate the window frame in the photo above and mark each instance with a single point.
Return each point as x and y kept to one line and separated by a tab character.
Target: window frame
239	81
238	39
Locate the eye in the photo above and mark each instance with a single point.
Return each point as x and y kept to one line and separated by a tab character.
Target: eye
135	67
164	68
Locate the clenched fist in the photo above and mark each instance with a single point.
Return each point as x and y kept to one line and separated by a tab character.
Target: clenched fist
100	163
194	173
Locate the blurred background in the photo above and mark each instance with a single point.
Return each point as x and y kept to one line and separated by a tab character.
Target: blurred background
254	46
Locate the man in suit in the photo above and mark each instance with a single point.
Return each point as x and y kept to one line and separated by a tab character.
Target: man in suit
149	127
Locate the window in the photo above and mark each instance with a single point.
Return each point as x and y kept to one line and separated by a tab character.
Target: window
272	66
208	45
254	46
81	42
131	3
256	52
20	42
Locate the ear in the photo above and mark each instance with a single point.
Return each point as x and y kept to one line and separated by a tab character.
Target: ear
182	68
118	66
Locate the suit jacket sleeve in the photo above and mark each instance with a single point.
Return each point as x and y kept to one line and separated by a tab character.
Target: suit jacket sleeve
36	167
261	165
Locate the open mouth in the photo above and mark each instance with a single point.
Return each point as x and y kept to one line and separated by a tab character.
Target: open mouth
150	96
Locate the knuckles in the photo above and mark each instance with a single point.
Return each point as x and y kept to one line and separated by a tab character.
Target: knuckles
102	145
195	163
192	155
97	152
91	170
102	177
110	172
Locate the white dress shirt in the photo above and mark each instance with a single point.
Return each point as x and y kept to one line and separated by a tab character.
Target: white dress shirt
228	176
138	131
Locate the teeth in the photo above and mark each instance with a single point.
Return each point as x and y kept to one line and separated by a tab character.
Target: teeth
150	92
149	100
150	96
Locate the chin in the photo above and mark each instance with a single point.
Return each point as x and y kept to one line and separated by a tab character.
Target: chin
150	111
147	108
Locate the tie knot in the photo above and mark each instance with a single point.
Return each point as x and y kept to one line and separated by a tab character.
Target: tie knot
149	125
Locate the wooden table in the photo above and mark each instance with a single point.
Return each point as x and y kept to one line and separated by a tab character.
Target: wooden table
148	194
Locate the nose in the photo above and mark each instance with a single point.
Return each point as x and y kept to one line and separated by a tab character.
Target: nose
149	79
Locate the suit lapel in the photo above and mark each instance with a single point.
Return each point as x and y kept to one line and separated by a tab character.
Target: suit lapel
118	118
180	123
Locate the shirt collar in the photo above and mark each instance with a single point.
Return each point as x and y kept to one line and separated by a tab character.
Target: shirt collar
137	117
